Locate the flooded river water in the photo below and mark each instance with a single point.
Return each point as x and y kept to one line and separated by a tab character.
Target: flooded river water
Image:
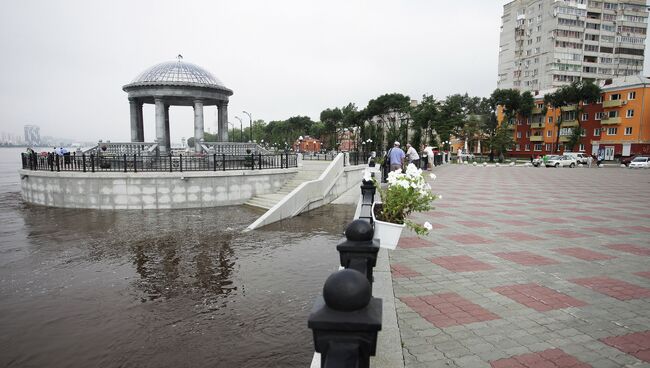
177	288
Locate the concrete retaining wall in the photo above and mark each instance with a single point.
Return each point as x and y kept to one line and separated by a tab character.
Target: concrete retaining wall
157	190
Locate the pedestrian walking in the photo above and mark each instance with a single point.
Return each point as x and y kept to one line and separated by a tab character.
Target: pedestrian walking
413	156
396	157
590	159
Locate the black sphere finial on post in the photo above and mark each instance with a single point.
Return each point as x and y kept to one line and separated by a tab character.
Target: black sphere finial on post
346	291
359	230
359	251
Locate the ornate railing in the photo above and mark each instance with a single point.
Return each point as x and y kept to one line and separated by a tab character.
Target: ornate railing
155	163
233	148
123	148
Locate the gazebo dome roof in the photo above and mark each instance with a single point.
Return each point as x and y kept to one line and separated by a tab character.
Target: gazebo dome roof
177	73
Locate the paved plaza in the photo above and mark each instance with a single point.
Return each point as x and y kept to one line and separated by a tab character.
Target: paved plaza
528	267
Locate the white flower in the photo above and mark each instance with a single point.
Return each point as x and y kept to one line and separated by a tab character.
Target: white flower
428	226
432	176
439	196
367	176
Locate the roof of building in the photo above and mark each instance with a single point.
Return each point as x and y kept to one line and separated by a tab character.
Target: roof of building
629	81
177	72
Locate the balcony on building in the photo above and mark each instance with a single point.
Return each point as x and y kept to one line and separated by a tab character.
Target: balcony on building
537	125
569	124
537	110
564	138
612	103
537	138
568	108
610	121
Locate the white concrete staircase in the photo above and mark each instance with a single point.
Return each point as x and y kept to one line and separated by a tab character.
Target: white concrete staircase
310	170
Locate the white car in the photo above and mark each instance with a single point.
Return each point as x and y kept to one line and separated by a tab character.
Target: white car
640	162
560	161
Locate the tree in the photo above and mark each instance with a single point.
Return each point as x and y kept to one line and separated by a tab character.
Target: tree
331	118
576	94
387	111
501	141
574	138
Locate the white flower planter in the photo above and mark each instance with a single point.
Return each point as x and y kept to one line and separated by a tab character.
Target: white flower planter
387	232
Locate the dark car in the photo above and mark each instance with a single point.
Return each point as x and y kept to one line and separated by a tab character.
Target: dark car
626	161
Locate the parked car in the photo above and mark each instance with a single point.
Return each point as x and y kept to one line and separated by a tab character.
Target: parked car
581	157
559	161
640	162
626	161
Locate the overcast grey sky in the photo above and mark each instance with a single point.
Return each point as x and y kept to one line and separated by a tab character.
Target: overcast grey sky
64	63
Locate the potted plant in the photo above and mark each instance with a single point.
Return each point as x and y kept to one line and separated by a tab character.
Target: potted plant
404	194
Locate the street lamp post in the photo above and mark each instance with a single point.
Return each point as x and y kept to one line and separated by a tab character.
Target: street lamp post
250	117
233	132
241	129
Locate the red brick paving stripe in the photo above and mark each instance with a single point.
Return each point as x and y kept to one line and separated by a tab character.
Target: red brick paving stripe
526	258
551	358
636	344
516	222
460	263
630	248
589	218
605	231
645	274
566	233
408	242
474	223
618	289
477	213
469	239
518	236
551	220
640	229
547	210
448	309
538	297
401	271
513	212
583	253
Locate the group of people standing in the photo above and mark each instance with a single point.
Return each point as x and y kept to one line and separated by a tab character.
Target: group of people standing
396	157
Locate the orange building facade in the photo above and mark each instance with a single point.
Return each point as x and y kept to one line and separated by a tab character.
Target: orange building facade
307	144
618	125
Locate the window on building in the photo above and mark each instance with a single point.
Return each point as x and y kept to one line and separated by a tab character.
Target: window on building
599	115
548	133
528	134
628	131
537	147
599	100
631	95
597	132
582	147
517	147
613	114
615	96
612	131
548	147
550	120
629	114
527	147
518	135
585	117
583	132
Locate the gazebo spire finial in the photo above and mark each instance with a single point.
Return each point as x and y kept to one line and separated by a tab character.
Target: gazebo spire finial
179	57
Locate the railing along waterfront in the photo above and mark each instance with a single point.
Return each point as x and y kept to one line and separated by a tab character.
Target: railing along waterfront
156	163
346	319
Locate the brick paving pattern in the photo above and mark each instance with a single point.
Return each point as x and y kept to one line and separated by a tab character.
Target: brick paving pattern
637	344
528	267
551	358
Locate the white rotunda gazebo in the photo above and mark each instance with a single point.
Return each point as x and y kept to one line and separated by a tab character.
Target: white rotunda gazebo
182	84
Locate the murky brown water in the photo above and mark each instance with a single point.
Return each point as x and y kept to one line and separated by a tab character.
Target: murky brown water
178	288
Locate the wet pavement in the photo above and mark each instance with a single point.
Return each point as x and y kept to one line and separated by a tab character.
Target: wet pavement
528	267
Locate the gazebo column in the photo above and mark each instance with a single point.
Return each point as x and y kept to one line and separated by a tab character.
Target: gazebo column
160	125
198	125
168	141
222	118
133	109
140	122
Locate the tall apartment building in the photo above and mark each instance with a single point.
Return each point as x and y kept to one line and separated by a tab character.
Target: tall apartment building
32	135
549	43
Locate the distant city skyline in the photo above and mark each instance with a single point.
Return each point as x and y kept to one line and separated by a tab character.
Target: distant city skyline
65	63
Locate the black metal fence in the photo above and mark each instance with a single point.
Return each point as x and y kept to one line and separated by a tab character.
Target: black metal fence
156	163
346	319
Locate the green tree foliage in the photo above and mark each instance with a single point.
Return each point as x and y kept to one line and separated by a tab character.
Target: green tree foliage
576	93
501	141
387	111
425	117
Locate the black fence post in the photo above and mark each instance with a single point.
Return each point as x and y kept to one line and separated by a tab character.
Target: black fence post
124	157
83	161
223	161
346	320
214	162
259	157
135	163
58	166
170	162
180	160
252	161
92	162
359	251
